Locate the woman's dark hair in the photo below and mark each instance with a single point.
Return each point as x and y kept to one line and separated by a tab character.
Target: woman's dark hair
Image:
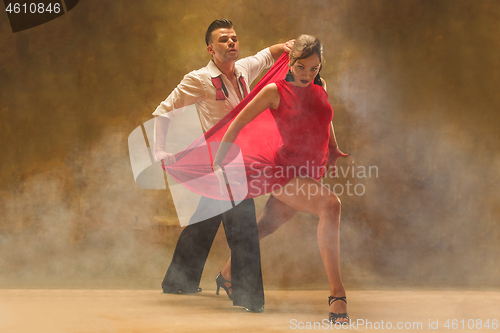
217	24
304	47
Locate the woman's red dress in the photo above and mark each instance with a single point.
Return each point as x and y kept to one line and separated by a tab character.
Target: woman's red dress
271	150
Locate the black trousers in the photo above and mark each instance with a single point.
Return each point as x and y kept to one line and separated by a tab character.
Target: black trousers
193	246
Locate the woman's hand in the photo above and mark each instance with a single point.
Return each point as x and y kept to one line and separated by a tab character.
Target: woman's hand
219	172
335	154
224	178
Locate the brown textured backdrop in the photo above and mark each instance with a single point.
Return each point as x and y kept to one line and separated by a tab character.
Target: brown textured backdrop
414	87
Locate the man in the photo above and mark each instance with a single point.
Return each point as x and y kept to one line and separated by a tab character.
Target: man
216	89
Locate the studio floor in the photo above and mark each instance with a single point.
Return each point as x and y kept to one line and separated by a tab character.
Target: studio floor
134	311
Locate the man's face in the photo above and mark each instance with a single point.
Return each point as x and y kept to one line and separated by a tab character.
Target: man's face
225	46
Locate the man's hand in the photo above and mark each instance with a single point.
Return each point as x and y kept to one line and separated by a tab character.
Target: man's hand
166	157
335	154
288	46
278	49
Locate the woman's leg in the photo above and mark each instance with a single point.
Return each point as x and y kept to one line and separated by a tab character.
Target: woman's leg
274	215
306	194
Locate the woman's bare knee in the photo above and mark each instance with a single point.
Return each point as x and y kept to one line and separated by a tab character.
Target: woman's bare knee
265	229
329	205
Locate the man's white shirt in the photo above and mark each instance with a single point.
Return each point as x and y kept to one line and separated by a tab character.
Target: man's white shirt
197	88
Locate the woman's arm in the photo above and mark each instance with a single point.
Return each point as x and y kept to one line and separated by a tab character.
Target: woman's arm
335	152
332	143
267	98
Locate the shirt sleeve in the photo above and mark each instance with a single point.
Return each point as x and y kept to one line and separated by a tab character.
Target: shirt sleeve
189	91
254	65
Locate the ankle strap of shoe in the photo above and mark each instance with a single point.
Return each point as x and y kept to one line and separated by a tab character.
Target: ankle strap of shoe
332	299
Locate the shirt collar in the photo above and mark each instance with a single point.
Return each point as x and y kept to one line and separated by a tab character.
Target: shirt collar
215	71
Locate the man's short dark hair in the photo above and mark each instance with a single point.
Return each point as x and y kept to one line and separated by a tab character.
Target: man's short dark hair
217	24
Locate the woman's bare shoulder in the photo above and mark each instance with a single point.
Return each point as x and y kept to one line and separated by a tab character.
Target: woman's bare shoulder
271	94
271	87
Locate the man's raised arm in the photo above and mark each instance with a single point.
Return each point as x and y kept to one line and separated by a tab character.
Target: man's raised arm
278	49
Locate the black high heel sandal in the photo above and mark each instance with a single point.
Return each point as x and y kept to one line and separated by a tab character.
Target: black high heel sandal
332	316
219	280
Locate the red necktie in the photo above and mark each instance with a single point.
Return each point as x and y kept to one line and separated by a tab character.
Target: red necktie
244	86
221	92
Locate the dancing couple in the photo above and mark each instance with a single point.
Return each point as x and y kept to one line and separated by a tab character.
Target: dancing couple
305	137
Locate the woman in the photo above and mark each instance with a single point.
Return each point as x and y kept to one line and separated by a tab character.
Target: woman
303	116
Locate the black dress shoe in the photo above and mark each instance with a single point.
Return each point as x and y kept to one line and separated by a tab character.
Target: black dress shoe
255	308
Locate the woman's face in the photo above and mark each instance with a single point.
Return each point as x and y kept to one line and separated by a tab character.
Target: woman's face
305	70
